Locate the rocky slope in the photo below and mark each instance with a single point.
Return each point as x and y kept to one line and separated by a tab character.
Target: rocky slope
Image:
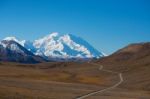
13	52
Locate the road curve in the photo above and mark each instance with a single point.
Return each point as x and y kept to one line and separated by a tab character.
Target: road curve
106	89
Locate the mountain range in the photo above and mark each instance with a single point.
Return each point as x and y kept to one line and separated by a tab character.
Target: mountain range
53	47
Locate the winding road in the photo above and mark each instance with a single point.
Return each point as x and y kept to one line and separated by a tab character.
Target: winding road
106	89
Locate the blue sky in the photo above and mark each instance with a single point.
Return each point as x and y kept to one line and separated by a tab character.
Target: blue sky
106	24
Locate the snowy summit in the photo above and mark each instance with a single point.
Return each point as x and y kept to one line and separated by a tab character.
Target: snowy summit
57	46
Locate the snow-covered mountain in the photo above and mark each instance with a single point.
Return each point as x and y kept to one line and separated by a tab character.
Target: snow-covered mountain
56	46
27	44
13	52
64	46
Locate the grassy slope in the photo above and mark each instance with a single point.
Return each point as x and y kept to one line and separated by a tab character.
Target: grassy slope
49	80
134	62
58	81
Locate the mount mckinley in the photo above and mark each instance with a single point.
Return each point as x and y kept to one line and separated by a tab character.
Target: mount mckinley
53	47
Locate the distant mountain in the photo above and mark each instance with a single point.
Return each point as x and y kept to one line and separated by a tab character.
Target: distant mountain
134	62
11	51
60	47
65	46
27	44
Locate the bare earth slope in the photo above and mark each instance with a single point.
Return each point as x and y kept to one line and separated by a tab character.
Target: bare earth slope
134	62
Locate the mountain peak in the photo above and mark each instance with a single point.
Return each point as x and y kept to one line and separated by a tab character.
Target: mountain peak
12	51
21	42
11	38
65	46
27	44
53	34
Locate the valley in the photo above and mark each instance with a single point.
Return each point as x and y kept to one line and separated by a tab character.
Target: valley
61	81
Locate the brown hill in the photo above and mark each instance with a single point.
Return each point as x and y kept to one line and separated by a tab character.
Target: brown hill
134	62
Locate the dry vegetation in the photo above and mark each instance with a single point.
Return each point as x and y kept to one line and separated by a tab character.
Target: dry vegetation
58	81
51	80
